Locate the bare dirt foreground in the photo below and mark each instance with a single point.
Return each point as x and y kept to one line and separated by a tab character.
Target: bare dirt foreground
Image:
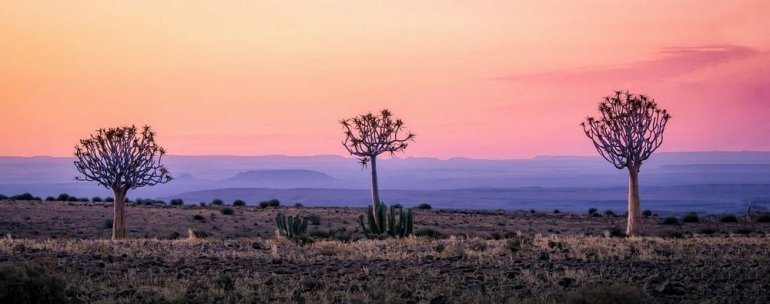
481	257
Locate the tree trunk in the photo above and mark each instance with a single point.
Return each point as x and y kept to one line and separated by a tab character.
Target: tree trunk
375	189
119	213
634	225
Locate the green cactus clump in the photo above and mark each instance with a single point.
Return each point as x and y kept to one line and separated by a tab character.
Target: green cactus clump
291	226
396	222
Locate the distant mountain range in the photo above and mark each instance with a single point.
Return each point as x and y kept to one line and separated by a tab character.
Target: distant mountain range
431	178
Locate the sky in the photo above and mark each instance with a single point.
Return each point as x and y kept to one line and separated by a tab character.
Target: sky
477	79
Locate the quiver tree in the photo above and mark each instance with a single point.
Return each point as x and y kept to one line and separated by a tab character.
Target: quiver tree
369	135
121	159
629	129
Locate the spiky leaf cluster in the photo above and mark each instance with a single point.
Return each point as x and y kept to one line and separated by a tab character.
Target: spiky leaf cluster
121	158
629	129
369	135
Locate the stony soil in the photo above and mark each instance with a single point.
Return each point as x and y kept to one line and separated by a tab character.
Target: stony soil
554	258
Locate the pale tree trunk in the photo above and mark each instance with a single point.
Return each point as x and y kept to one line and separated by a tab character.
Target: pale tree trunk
119	215
634	225
375	189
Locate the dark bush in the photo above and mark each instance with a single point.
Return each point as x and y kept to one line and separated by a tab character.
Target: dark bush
606	294
63	197
675	234
744	230
3	197
427	232
96	199
30	283
763	218
217	202
239	203
227	211
671	221
72	199
708	231
270	203
83	199
176	202
424	206
298	205
592	211
397	206
198	217
23	197
314	219
532	211
556	211
729	218
107	223
617	232
201	234
50	199
202	204
609	213
691	217
319	234
647	213
109	199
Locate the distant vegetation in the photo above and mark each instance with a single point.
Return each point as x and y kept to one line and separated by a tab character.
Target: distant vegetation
217	202
176	202
270	203
239	203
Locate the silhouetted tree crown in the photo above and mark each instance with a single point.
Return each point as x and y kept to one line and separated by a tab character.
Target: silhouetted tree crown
369	135
629	129
121	158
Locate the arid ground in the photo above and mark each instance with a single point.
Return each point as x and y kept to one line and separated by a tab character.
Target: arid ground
480	257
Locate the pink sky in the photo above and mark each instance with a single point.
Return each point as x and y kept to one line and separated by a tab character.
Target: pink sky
481	79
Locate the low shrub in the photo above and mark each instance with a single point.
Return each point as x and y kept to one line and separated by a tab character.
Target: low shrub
671	221
72	199
270	203
107	223
217	202
606	294
227	211
691	217
96	199
708	231
427	232
314	219
744	230
647	213
319	234
729	218
763	218
675	234
83	199
63	197
592	211
23	197
30	283
3	197
176	202
424	206
556	211
50	199
109	199
239	203
396	206
615	232
298	205
532	211
609	213
198	217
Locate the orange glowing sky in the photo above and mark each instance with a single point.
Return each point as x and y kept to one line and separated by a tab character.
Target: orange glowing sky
481	79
